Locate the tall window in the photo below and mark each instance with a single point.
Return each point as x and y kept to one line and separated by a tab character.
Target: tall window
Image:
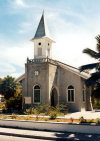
39	51
48	52
71	94
84	94
36	94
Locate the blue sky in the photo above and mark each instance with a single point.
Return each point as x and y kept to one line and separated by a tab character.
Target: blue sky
72	23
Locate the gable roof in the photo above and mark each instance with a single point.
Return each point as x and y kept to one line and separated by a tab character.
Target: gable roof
20	78
58	63
74	70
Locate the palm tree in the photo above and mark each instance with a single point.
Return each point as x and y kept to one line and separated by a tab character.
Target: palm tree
8	87
95	76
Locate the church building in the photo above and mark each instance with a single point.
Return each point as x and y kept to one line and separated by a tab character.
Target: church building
48	81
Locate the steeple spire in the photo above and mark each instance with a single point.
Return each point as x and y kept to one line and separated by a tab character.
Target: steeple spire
42	30
42	40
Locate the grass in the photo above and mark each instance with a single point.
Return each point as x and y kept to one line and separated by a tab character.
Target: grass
30	117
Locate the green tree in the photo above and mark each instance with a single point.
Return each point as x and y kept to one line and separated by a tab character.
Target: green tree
95	76
9	87
14	103
12	94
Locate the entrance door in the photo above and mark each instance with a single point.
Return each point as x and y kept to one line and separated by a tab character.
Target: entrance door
54	97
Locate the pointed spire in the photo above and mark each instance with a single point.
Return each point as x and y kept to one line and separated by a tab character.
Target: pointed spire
43	13
42	30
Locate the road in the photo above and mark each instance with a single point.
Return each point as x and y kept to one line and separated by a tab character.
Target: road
11	134
11	138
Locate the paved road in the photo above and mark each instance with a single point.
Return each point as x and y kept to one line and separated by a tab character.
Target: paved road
9	134
11	138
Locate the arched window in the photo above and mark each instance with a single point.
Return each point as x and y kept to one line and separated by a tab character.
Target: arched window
36	94
71	94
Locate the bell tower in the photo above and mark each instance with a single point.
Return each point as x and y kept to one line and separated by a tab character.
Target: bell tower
42	40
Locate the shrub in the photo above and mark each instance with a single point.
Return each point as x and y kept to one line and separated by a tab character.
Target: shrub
71	119
28	111
63	108
36	110
53	114
91	121
13	116
82	120
97	121
14	103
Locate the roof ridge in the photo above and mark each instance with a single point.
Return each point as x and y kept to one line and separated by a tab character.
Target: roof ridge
64	63
71	68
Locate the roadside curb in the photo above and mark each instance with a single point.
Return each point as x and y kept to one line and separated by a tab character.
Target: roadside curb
50	126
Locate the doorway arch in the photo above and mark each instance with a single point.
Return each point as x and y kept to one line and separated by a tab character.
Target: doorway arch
54	97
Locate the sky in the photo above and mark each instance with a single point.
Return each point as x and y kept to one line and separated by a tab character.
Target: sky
73	25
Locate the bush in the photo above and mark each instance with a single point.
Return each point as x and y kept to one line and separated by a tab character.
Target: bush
82	120
14	104
97	121
96	104
63	108
14	116
36	110
28	111
53	114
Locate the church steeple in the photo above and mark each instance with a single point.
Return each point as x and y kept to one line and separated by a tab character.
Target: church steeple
42	30
42	40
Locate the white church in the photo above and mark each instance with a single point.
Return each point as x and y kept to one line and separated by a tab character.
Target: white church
48	81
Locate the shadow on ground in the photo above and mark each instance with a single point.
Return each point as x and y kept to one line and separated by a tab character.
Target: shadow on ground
77	137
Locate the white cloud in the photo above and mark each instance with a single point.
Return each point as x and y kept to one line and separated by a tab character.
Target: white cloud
70	38
14	57
68	49
17	55
6	67
16	75
20	3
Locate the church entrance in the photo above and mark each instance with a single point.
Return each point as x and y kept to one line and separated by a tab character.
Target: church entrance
54	97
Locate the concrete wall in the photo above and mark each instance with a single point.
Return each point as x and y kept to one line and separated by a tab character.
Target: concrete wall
41	79
67	78
50	126
45	45
54	76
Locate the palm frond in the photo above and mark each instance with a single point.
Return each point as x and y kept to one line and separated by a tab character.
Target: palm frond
91	53
88	67
90	81
95	75
93	79
98	43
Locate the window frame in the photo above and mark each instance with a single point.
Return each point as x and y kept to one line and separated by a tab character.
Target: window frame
39	51
84	95
34	96
70	89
